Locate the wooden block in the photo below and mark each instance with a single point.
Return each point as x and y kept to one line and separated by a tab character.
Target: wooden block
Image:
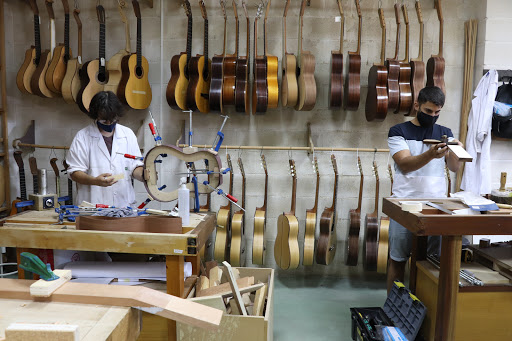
234	287
190	282
202	284
234	307
248	289
259	301
215	276
117	177
225	288
54	332
43	288
209	266
460	153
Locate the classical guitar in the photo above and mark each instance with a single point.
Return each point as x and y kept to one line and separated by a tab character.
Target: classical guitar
371	230
355	225
306	80
205	251
353	80
393	67
70	183
417	65
93	74
61	54
383	248
309	233
289	87
114	64
237	246
260	222
272	67
405	103
436	63
229	68
286	247
336	83
23	189
215	96
259	85
199	73
71	83
134	88
53	163
243	65
37	82
326	248
223	223
35	174
32	55
377	99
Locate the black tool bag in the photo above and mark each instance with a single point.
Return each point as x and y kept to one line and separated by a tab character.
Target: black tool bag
502	125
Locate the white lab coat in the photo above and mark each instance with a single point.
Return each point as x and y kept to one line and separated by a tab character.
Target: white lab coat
477	174
88	153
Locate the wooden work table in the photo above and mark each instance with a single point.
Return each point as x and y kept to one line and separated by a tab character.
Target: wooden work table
36	230
432	222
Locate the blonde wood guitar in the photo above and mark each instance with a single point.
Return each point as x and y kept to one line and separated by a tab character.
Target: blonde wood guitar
32	55
71	83
383	248
272	68
306	80
309	234
286	247
289	87
223	223
260	221
237	246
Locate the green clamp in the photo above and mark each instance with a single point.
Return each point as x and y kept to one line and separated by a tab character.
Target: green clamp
32	263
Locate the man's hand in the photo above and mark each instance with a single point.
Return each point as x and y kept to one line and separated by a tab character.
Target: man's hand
439	150
104	180
458	142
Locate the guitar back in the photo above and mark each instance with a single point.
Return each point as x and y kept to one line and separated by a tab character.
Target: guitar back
326	248
216	84
242	86
193	80
377	99
237	246
26	71
405	103
289	87
353	82
71	83
229	80
259	87
272	83
370	247
286	247
170	93
309	239
115	71
336	83
221	237
393	87
435	72
203	86
37	83
307	83
258	241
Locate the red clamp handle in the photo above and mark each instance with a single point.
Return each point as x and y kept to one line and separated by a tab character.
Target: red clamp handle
102	206
152	127
232	198
128	156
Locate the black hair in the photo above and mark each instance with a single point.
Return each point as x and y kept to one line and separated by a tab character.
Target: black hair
432	94
105	106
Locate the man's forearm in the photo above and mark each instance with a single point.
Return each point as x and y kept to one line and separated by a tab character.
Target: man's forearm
138	173
412	163
452	162
83	178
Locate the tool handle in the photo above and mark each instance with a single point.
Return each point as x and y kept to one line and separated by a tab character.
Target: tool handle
141	206
152	128
102	206
503	181
232	198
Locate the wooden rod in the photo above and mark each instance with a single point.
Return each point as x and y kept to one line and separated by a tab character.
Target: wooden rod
317	149
40	146
3	104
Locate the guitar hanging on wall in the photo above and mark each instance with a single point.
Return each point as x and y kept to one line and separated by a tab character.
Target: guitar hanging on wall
217	72
71	83
243	65
223	223
272	67
306	80
32	55
417	65
289	87
309	233
260	222
229	68
259	85
393	67
353	79
405	103
436	63
23	189
237	246
336	83
383	246
355	224
371	230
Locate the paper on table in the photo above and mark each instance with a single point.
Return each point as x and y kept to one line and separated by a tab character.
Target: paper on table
93	280
122	269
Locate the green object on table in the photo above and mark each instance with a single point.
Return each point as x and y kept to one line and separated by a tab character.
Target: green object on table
32	263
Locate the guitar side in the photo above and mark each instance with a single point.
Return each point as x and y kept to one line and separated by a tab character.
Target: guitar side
383	249
289	87
26	71
309	239
170	93
57	69
115	71
203	86
336	83
220	248
307	83
37	82
353	238
272	83
258	241
237	246
326	248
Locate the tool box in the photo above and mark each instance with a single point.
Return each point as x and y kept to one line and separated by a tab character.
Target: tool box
402	310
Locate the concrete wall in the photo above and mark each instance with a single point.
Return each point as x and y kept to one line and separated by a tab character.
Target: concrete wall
164	33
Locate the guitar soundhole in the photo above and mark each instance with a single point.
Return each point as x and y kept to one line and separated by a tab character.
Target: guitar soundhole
139	72
101	78
331	248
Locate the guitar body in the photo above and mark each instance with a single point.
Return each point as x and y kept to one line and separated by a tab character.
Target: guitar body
435	72
237	245
193	80
176	69
216	84
229	80
272	83
405	103
370	247
94	84
260	88
71	83
37	83
353	238
115	71
307	83
286	248
84	80
383	247
326	248
309	239
377	98
393	88
26	71
221	238
136	91
242	86
258	241
417	82
353	82
289	88
336	83
57	69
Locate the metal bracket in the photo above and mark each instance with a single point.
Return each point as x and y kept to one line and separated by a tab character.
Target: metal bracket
28	138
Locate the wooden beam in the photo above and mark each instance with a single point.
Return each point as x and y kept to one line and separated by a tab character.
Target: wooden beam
234	287
43	288
225	288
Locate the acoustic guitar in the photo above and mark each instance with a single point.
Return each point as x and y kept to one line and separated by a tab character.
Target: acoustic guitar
436	63
176	92
229	68
260	222
306	80
405	103
259	85
61	54
223	223
237	245
93	74
272	67
37	82
371	230
289	86
199	73
353	80
53	163
23	189
326	248
134	88
393	67
355	225
383	247
32	55
286	247
309	233
114	65
417	65
336	83
215	96
32	161
71	83
242	103
377	99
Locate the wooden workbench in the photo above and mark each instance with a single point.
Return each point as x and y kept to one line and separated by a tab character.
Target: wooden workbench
34	230
432	222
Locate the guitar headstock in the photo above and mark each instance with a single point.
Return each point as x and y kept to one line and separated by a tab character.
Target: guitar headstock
406	14
360	166
315	166
66	6
49	8
259	11
100	11
223	7
245	9
241	166
439	8
34	7
264	164
18	158
376	170
136	8
302	8
381	18
235	9
228	158
267	4
418	12
286	6
33	165
203	9
334	164
293	171
53	163
186	6
340	6
120	7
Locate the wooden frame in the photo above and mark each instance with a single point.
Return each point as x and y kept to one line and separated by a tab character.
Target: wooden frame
4	156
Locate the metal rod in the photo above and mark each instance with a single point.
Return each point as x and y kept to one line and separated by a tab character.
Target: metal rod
317	149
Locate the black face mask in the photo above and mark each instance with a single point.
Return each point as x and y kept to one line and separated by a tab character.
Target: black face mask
426	121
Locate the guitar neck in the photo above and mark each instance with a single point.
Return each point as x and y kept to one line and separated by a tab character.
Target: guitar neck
398	24
225	35
406	18
284	29
70	192
76	14
264	207
139	43
102	49
255	40
335	192
237	25
243	191
317	191
37	38
377	185
383	42
52	37
23	188
441	24
66	36
360	200
420	20
294	194
205	50
189	38
342	23
360	27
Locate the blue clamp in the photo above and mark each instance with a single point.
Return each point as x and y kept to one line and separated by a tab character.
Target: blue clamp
24	203
158	138
65	198
220	134
196	192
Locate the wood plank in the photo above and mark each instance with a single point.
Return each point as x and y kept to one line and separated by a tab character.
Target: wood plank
234	287
225	288
175	285
460	153
215	276
202	284
190	283
259	301
42	288
244	290
32	331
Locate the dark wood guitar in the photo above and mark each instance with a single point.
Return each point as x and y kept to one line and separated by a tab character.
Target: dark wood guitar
353	80
383	248
393	67
32	161
224	223
23	189
272	67
355	225
289	86
405	103
326	248
377	99
53	163
229	68
309	233
306	80
217	73
237	242
259	85
417	66
260	224
371	230
436	63
199	73
243	65
71	83
336	83
32	55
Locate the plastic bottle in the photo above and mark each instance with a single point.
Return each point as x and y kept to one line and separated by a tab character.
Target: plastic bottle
184	203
